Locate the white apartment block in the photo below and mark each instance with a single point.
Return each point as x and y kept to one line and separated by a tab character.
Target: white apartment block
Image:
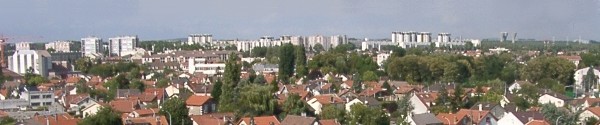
207	62
23	46
413	39
199	39
91	45
37	60
367	45
59	46
122	45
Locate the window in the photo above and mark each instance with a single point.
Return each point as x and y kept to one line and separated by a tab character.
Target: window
47	96
35	97
35	104
47	103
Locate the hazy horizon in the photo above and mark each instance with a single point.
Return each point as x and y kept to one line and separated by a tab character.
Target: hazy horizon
229	19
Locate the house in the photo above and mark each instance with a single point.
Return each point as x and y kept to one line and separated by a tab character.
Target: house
516	86
199	105
299	120
510	119
92	109
591	112
143	113
211	119
538	122
424	119
368	101
200	89
453	119
583	103
494	108
124	105
35	96
478	117
320	101
57	119
574	59
126	93
552	97
75	103
347	84
173	90
329	122
152	120
421	102
159	92
261	120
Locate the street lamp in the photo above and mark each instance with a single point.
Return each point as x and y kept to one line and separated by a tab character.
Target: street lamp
170	121
558	119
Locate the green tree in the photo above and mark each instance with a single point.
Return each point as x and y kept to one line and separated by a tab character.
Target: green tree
363	115
216	92
563	117
177	108
457	98
549	67
589	80
301	69
105	116
370	76
231	78
286	62
257	100
294	105
333	112
404	110
137	84
260	79
318	48
83	64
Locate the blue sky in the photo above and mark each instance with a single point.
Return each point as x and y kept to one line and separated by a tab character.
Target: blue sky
250	19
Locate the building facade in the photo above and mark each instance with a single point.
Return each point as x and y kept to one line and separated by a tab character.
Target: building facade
199	39
91	45
59	46
121	45
23	46
36	61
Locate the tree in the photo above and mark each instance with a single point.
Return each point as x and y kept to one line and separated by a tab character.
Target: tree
83	64
105	116
333	112
260	79
257	100
559	116
457	98
176	107
387	87
442	103
286	62
549	67
590	80
301	69
591	121
231	78
363	115
370	76
293	105
216	92
404	110
137	84
318	48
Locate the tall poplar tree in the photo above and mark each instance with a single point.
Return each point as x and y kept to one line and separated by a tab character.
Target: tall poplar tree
231	78
301	69
286	62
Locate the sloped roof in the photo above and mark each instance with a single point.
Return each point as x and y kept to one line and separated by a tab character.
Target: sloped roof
298	120
425	119
329	122
59	119
196	100
262	120
124	106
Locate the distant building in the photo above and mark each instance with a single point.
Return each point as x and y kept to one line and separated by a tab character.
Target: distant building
91	45
35	96
414	39
39	61
199	39
122	44
23	46
59	46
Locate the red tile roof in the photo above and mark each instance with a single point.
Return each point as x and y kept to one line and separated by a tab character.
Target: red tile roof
60	119
160	120
124	106
196	100
262	120
72	79
207	120
328	99
329	122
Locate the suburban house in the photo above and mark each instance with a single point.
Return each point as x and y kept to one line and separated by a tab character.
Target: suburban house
199	105
424	119
58	119
92	109
299	120
494	108
368	101
329	122
591	112
552	97
422	101
261	120
320	101
125	106
35	96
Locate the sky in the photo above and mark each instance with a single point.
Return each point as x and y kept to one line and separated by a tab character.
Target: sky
48	20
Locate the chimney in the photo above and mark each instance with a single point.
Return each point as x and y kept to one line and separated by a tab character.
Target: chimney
47	121
480	107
